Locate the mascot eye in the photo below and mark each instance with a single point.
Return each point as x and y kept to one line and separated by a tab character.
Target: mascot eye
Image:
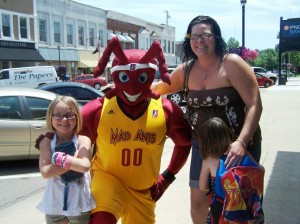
123	77
143	77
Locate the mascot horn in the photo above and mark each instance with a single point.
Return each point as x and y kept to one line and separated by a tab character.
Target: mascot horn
133	61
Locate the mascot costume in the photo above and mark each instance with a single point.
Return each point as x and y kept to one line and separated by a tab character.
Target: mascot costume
129	126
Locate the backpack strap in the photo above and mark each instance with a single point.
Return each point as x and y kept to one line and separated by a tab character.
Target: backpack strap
187	69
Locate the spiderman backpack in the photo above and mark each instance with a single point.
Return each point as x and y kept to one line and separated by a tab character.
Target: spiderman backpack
241	188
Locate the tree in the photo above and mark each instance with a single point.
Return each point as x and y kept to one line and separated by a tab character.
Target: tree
293	58
232	43
233	46
267	59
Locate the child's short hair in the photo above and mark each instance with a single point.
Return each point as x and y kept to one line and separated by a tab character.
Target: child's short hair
72	103
215	138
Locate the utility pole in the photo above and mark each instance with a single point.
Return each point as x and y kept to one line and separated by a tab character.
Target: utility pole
167	16
243	3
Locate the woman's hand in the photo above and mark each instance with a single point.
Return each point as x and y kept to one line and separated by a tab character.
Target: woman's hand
235	155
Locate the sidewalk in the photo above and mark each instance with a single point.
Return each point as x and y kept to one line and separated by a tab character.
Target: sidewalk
280	124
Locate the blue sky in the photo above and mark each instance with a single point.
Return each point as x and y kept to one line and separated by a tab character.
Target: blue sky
262	17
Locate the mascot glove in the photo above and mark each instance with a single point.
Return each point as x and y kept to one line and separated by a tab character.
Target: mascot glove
61	159
41	137
163	182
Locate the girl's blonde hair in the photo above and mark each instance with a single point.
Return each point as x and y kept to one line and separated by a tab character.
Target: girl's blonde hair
72	103
215	138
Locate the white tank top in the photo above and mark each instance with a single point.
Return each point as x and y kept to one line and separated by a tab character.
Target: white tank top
79	194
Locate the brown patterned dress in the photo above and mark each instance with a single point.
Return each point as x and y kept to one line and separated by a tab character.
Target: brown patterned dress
224	103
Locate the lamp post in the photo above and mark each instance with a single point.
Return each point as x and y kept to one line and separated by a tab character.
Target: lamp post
58	48
243	3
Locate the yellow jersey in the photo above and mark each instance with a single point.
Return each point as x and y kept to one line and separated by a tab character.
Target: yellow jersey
131	150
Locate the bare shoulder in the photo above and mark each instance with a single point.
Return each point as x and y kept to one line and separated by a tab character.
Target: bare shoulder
45	142
212	160
233	57
233	60
84	139
209	162
212	164
235	66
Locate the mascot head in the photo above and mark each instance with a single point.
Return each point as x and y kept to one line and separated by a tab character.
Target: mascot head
133	71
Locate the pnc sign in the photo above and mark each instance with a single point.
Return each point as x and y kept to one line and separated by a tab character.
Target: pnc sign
289	40
290	28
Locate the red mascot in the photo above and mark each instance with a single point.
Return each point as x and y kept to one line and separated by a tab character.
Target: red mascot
129	126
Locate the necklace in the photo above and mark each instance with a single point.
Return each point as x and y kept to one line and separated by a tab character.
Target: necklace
206	72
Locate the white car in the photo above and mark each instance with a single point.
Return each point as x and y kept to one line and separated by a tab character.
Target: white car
22	120
264	72
288	73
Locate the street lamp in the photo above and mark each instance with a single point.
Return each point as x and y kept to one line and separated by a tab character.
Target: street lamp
58	48
243	3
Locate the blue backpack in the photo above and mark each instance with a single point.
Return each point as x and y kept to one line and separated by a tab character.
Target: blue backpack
241	189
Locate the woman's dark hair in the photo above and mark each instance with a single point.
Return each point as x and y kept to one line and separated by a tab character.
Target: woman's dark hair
215	138
186	50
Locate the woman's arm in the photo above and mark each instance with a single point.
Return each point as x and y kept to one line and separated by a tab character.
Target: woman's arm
177	82
244	81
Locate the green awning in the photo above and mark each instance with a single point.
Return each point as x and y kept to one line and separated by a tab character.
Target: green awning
19	54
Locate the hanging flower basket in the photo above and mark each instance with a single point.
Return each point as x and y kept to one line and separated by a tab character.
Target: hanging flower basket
245	53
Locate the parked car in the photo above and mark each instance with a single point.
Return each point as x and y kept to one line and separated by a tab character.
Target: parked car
22	120
265	73
90	80
81	92
263	81
288	73
175	97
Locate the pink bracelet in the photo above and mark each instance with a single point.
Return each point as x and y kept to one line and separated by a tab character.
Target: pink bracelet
67	162
59	158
